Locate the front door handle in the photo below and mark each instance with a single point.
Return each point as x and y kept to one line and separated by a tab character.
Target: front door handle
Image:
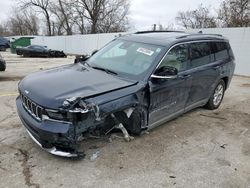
216	68
184	76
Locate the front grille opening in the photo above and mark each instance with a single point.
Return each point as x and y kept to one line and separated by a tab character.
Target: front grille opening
34	109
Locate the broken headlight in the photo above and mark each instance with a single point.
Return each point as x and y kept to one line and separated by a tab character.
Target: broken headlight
53	114
76	105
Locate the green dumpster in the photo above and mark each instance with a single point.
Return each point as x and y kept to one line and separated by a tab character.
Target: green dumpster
20	42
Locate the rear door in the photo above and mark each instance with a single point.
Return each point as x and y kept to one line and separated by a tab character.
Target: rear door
204	71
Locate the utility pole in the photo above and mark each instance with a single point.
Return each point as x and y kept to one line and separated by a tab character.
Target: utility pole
154	27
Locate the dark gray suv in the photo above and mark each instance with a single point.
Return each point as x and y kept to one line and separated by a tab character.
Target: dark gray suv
134	83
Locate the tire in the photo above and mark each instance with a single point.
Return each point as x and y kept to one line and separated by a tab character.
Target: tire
26	54
217	96
2	66
2	48
52	54
133	123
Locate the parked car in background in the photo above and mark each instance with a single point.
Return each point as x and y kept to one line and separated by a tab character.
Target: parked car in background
4	44
134	83
2	63
39	51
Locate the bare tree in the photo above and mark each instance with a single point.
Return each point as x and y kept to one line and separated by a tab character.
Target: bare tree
114	17
22	23
161	27
84	16
109	13
235	13
80	18
57	28
41	6
4	30
93	9
31	23
185	19
198	18
65	14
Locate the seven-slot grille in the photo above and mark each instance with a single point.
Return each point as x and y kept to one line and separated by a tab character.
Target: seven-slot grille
35	110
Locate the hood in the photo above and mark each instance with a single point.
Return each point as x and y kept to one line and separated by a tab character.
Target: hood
50	88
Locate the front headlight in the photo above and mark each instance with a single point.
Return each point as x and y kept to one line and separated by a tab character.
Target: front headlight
53	114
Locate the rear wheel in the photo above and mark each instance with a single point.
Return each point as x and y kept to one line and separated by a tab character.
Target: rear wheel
26	54
2	48
217	96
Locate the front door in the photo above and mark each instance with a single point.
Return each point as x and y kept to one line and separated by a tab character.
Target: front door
169	96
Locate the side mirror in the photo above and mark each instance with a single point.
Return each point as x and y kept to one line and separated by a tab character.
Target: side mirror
165	72
80	58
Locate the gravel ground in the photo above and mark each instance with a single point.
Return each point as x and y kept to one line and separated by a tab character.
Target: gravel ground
201	148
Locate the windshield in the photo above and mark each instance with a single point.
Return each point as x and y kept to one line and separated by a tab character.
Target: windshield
126	57
37	47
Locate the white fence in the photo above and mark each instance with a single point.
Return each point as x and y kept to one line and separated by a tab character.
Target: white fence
85	44
76	44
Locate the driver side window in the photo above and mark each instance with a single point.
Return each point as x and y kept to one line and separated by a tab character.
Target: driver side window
177	58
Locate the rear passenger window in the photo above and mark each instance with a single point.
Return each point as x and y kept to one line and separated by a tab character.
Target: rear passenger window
200	54
221	51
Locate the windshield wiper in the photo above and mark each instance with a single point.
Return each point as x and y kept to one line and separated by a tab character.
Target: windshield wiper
104	69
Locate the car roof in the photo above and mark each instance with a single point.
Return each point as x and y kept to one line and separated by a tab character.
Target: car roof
34	45
166	38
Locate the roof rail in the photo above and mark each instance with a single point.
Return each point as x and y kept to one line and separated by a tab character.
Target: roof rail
197	34
164	31
219	35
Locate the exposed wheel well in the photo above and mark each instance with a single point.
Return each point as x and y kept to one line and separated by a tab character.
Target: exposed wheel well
135	120
225	79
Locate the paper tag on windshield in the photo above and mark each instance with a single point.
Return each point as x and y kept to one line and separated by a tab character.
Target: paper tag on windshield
145	51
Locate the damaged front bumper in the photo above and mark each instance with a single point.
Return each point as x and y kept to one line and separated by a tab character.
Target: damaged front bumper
55	137
53	150
78	119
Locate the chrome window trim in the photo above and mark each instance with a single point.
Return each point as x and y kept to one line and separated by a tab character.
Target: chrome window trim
188	42
163	77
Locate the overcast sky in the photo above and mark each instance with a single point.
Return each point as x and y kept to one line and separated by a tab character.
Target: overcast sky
143	13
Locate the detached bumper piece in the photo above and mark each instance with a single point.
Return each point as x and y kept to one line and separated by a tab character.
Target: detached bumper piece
53	150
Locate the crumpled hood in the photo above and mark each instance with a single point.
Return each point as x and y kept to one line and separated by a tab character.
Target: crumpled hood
50	88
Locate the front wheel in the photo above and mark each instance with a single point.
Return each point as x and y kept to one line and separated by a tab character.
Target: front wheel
217	96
